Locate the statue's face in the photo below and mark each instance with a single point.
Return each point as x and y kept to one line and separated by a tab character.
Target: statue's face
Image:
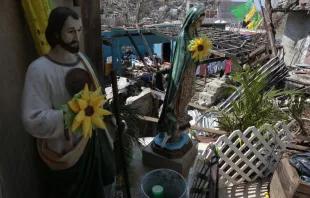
198	22
70	34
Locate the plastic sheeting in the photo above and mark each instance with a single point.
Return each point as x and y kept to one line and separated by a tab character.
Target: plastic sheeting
207	121
301	162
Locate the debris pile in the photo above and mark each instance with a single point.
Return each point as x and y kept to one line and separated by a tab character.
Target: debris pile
134	67
213	92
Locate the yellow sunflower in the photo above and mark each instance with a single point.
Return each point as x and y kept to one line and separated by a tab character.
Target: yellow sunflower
200	48
88	111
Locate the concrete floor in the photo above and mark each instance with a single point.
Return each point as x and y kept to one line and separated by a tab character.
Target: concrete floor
137	171
248	190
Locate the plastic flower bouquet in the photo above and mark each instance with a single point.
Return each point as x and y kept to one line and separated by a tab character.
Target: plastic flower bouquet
200	47
85	112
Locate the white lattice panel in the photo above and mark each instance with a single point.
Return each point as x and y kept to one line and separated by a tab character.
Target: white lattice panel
249	155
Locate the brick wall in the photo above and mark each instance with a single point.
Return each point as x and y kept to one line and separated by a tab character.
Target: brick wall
21	171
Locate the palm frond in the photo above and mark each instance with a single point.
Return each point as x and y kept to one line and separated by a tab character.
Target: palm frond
255	106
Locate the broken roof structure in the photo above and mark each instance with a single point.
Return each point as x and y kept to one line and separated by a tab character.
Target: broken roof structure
226	43
247	49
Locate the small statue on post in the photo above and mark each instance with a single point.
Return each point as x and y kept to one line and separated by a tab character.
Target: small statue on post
172	140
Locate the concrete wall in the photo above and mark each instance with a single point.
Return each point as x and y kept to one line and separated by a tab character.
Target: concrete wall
21	171
296	30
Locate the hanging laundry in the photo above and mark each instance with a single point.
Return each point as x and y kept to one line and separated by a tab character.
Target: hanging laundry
198	70
228	65
201	70
215	67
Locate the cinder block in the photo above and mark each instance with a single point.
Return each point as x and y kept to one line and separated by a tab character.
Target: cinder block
205	96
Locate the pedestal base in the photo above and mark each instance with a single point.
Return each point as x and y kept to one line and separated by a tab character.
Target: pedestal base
180	165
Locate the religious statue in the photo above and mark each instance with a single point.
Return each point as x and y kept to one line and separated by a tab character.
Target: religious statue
80	164
174	119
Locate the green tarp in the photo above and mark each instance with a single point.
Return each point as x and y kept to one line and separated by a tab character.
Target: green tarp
240	11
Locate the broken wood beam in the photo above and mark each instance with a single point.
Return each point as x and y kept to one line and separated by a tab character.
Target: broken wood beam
219	132
90	15
194	127
147	47
137	49
261	59
286	183
285	180
211	60
298	147
258	50
270	28
217	53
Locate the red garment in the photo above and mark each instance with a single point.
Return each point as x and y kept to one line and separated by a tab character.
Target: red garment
202	69
228	65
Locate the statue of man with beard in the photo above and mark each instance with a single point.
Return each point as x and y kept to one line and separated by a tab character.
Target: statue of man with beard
79	167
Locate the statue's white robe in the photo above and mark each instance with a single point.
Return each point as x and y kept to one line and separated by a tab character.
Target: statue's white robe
44	94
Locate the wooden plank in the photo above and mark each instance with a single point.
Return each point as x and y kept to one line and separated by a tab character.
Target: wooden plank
198	107
258	50
211	60
147	47
285	180
150	119
261	59
137	50
298	147
238	43
301	195
304	188
267	15
217	53
276	189
90	14
219	132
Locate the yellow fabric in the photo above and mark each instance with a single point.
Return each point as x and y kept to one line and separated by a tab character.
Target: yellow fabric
250	14
36	13
250	25
258	23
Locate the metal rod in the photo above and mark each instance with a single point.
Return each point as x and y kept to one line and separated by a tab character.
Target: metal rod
119	130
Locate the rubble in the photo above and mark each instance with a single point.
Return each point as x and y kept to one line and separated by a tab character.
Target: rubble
122	83
212	93
142	102
298	80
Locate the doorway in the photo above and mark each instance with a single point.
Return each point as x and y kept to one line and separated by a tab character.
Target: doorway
166	52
